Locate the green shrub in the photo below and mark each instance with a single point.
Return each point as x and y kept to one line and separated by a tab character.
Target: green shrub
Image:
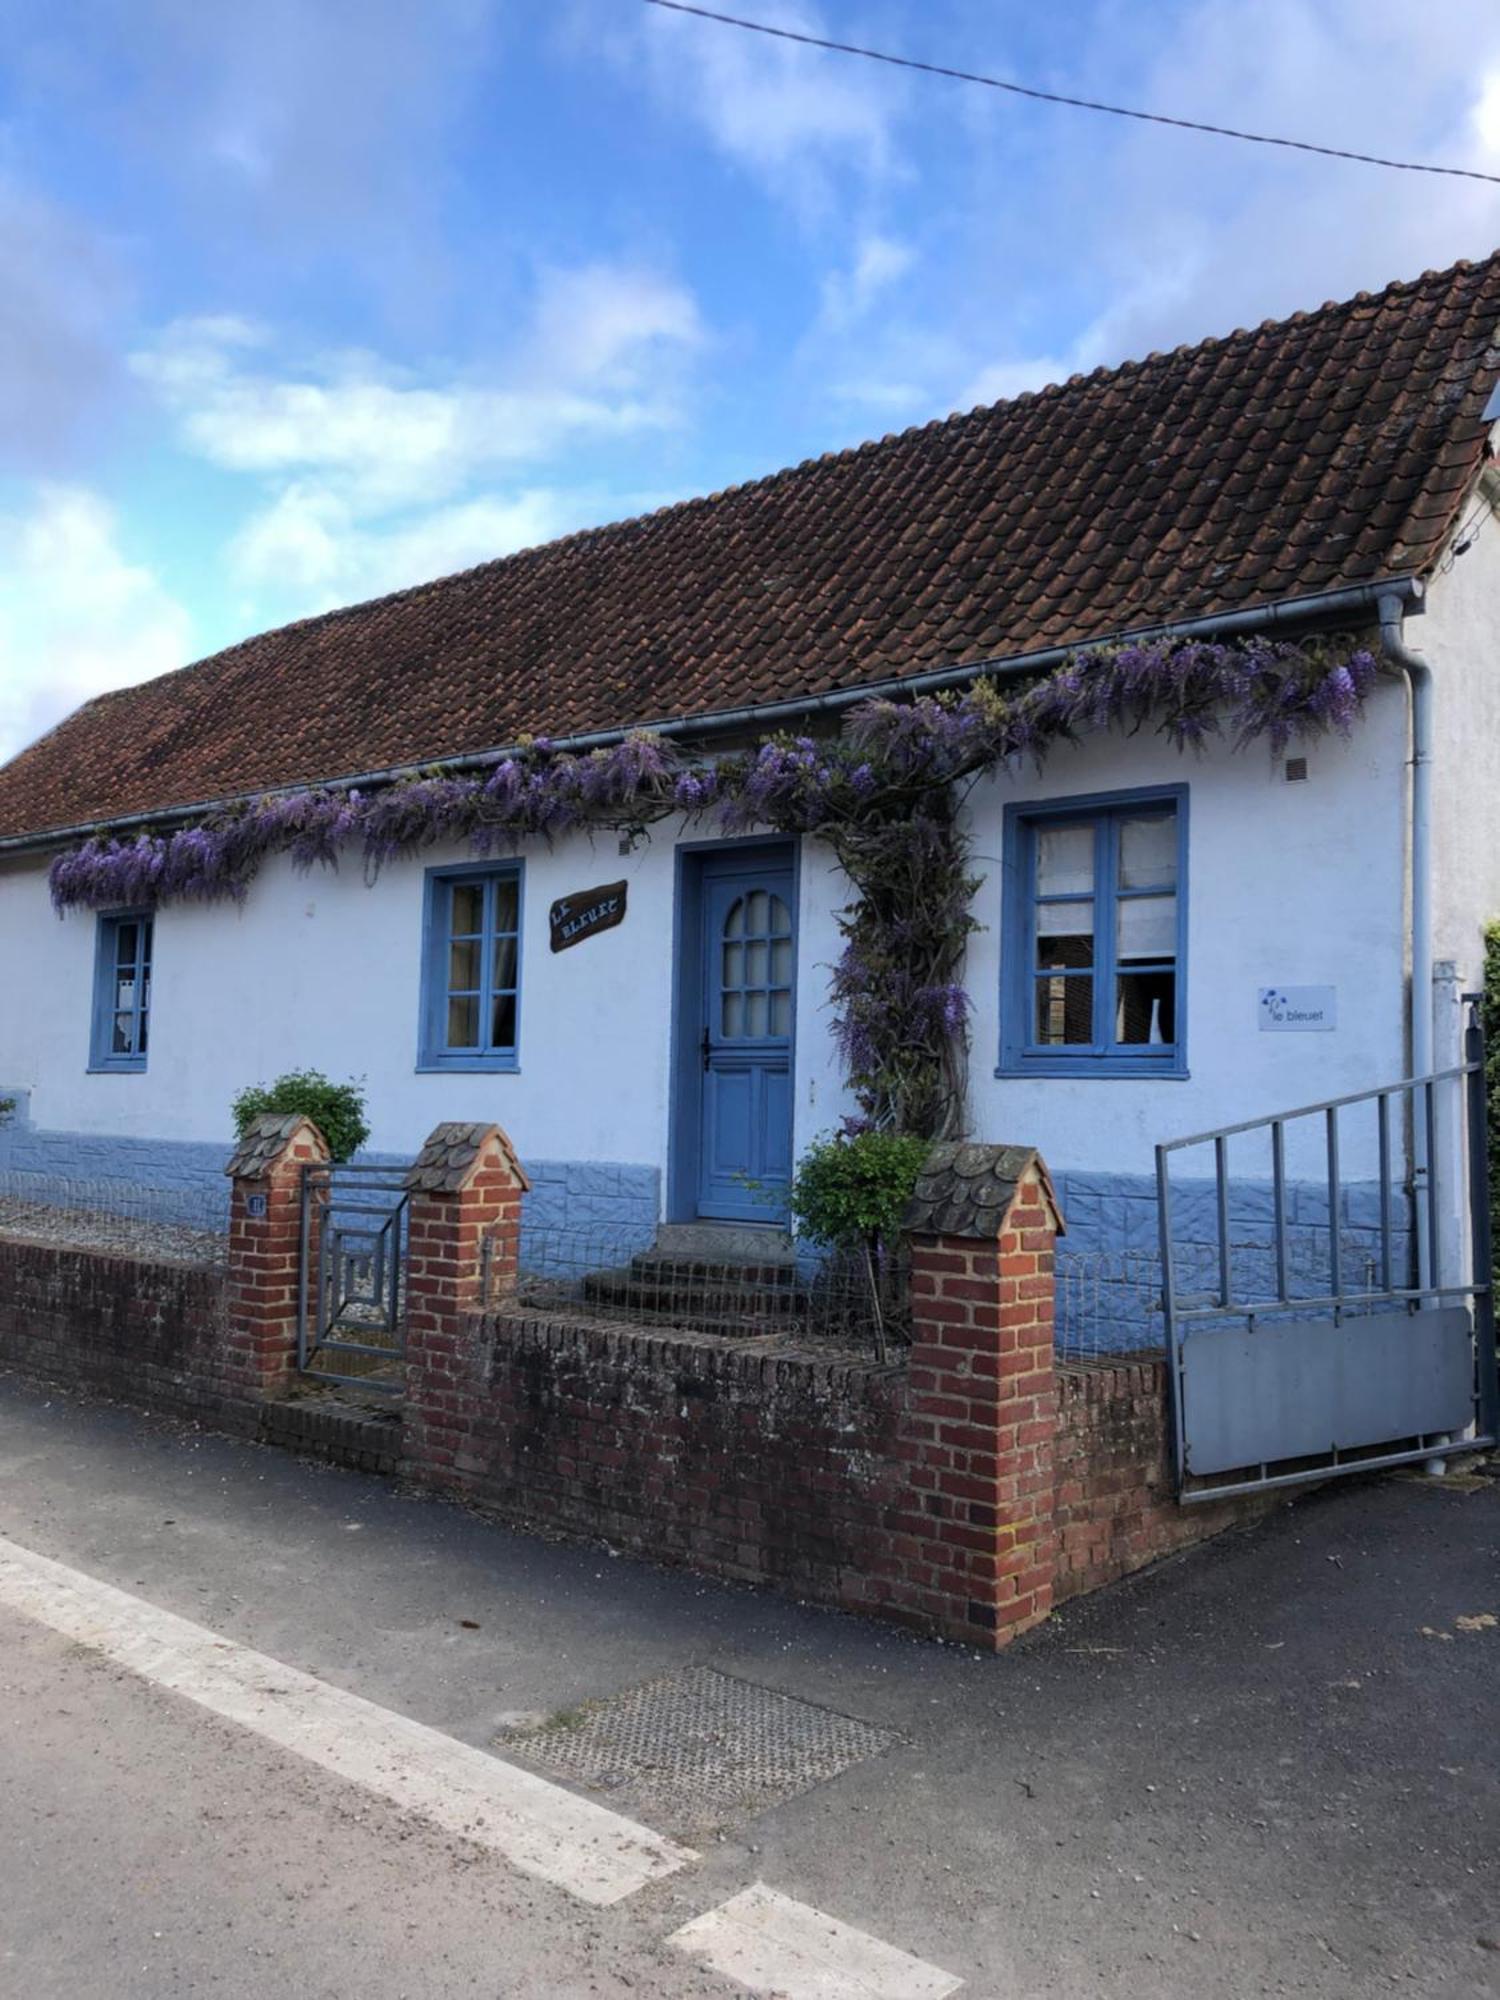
850	1191
7	1110
337	1109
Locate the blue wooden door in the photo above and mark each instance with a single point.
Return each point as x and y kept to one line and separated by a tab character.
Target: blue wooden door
749	983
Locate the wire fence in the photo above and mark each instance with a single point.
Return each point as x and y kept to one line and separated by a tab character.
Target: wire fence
1107	1303
181	1224
847	1303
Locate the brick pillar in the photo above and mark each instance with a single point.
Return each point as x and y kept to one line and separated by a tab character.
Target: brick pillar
464	1237
975	1551
265	1219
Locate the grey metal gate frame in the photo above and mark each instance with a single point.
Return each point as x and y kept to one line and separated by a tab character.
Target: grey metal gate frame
1314	1370
351	1298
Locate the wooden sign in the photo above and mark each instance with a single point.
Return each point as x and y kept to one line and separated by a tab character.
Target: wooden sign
574	918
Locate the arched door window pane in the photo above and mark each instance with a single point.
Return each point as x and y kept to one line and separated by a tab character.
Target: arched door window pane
755	968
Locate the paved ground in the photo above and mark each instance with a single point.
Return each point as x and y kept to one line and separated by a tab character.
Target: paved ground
1250	1772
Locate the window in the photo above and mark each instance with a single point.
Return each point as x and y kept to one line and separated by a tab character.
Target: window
1094	938
471	968
122	992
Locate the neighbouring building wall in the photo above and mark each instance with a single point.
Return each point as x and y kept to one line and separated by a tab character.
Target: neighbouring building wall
1289	883
1459	634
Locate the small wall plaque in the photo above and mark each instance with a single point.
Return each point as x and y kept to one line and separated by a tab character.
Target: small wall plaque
255	1206
1298	1010
585	914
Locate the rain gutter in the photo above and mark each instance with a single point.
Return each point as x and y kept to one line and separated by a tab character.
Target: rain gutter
1405	591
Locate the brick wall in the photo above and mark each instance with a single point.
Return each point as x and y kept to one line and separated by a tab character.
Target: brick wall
963	1492
149	1333
768	1468
1115	1508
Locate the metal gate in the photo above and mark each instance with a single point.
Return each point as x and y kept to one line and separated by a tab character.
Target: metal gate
1327	1286
351	1312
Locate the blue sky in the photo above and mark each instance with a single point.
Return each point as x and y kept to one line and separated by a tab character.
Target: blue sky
308	301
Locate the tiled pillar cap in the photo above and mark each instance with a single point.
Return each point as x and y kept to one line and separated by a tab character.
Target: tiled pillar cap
453	1152
966	1189
265	1138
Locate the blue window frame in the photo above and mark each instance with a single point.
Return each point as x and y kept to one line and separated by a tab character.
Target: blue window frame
1094	937
471	968
122	991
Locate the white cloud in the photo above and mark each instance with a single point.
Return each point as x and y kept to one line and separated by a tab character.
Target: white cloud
1486	117
308	550
789	114
601	359
76	616
879	262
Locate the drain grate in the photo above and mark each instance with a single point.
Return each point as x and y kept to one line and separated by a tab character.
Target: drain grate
696	1748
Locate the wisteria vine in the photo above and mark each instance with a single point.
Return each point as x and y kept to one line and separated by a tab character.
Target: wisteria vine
886	795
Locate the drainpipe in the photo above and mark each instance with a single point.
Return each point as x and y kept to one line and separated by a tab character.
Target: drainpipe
1419	679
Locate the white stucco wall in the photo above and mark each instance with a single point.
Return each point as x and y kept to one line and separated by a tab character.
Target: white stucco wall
323	970
1290	884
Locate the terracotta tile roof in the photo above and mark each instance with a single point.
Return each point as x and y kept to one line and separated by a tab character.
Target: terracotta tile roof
1328	449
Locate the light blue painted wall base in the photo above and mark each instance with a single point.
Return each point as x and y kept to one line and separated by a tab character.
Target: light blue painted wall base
1109	1260
176	1180
585	1214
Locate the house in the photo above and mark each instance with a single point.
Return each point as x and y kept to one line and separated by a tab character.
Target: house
1171	931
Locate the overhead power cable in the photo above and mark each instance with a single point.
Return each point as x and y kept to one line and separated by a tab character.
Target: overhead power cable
1074	103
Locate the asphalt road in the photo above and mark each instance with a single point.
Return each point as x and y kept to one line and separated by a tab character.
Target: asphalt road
1265	1768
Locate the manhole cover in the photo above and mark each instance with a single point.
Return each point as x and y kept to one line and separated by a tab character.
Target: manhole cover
695	1748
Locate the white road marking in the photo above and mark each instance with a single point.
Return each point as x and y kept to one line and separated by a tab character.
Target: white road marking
594	1854
775	1946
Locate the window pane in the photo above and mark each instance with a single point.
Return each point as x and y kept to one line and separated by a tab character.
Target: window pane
757	910
463	965
1064	935
757	962
1065	860
781	1013
125	936
125	993
733	1017
1146	1008
140	1034
122	1044
755	1014
146	942
503	1021
463	1022
505	964
1065	1010
1148	852
1146	928
507	904
734	923
734	966
781	918
781	961
468	909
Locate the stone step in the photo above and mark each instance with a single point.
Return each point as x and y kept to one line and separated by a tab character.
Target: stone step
726	1242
